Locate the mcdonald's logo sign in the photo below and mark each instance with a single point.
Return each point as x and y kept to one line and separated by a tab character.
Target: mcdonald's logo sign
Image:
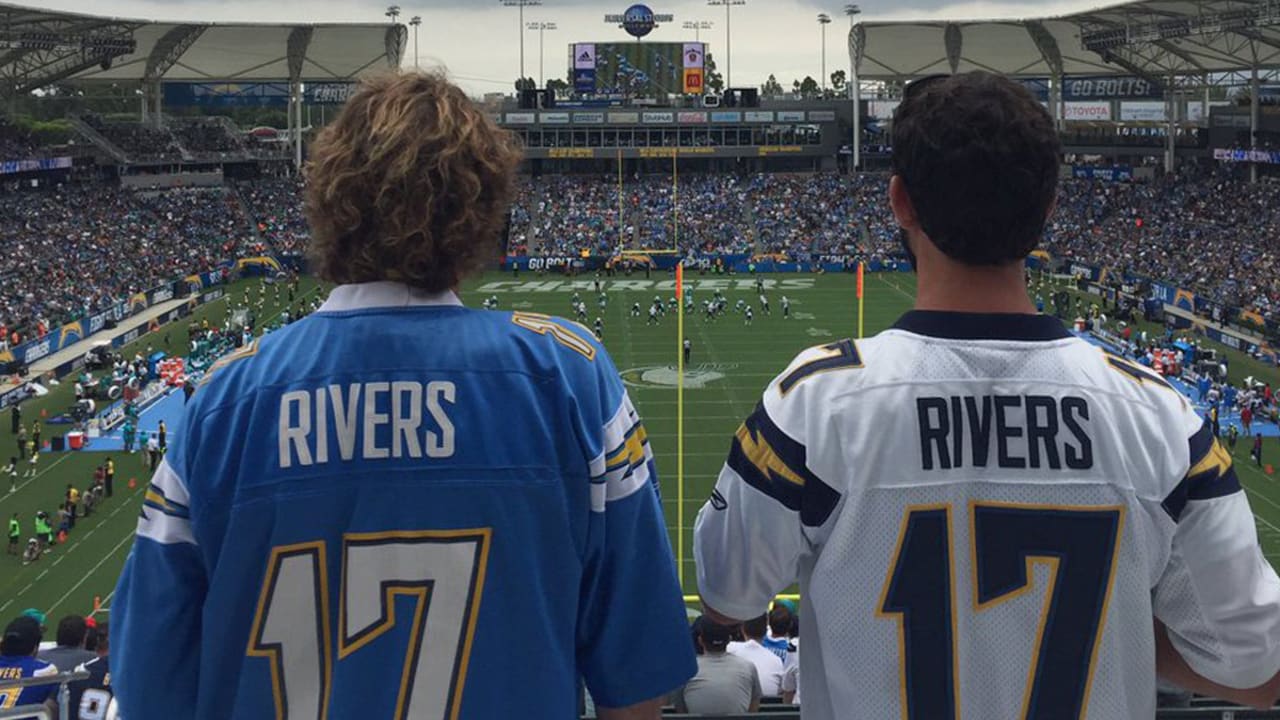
693	81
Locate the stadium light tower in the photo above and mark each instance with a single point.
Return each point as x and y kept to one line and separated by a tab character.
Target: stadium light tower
522	4
824	20
542	27
728	37
697	26
415	21
853	11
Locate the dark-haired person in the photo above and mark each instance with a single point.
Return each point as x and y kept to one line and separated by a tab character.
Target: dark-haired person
725	684
18	661
769	666
778	640
425	491
983	512
92	698
70	652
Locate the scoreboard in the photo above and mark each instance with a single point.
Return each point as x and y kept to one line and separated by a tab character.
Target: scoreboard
635	69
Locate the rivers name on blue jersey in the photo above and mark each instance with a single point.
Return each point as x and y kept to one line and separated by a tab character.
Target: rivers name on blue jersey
18	667
402	508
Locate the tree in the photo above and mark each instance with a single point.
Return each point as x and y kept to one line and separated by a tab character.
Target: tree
795	86
771	87
838	81
526	84
809	87
715	81
560	87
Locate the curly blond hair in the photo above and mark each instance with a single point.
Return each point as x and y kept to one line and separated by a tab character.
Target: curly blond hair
411	183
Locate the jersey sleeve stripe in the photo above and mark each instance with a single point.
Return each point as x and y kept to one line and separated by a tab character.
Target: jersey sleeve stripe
1212	474
155	498
166	516
776	465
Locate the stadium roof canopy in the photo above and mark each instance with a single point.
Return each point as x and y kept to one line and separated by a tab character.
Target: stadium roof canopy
1156	39
41	47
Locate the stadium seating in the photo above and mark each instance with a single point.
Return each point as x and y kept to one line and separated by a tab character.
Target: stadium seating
88	246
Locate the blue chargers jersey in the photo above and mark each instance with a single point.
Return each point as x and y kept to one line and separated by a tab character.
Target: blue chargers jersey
14	667
402	508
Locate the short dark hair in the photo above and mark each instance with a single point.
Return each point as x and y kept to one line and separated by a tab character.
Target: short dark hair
780	620
72	630
755	627
979	157
715	636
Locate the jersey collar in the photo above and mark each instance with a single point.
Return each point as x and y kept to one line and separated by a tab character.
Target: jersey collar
982	326
365	296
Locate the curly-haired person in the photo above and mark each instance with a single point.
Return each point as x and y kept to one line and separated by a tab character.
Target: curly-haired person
400	507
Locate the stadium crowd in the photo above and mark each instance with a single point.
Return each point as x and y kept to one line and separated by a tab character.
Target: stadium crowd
139	142
207	137
273	204
77	250
1204	230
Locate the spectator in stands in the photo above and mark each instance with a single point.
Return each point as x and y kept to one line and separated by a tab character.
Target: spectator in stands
18	660
407	196
778	640
791	673
725	684
70	652
769	666
91	698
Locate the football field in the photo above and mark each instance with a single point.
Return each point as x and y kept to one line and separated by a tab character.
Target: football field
730	366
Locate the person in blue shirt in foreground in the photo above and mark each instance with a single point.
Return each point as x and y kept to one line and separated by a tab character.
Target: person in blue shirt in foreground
400	507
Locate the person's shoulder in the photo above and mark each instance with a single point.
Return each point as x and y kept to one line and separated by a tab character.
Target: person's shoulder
824	366
549	346
41	668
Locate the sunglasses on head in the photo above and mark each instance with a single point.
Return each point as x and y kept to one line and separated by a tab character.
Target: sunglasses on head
915	87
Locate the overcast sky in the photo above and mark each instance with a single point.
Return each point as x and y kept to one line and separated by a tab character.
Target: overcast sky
477	40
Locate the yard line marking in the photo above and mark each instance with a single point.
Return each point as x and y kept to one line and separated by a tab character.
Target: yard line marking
91	573
1259	494
37	477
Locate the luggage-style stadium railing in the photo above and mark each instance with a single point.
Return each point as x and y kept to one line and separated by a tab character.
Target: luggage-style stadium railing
42	711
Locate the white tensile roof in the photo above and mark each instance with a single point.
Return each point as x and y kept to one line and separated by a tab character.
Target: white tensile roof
1152	38
191	51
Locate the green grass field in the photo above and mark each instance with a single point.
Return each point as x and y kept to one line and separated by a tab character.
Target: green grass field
731	365
69	578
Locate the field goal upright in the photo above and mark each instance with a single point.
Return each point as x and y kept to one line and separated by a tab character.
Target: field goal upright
646	252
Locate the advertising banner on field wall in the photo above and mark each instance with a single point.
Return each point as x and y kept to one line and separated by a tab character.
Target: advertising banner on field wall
1091	110
1142	112
75	331
739	263
10	167
1112	173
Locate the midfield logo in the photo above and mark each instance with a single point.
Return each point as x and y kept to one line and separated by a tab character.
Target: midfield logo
666	377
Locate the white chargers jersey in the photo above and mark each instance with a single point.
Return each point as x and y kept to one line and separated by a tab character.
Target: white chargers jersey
984	514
